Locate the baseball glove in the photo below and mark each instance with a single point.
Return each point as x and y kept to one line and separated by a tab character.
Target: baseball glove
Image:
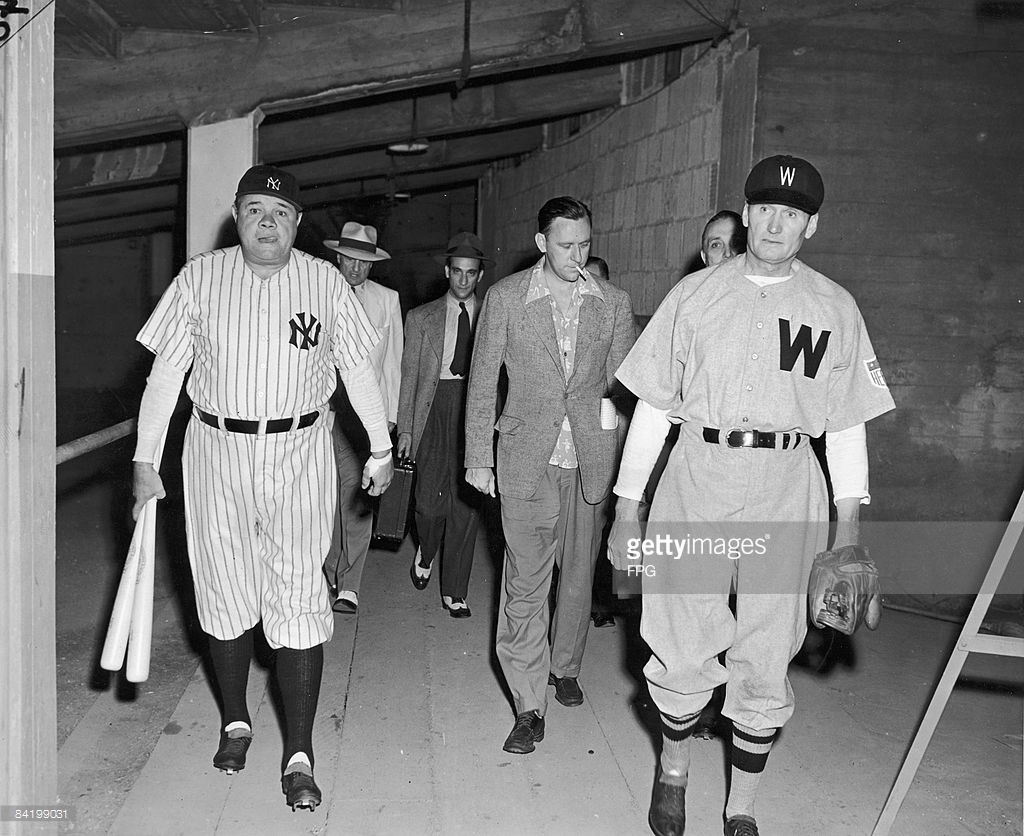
843	590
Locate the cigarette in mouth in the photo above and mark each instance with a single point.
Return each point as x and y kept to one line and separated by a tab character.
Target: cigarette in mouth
583	273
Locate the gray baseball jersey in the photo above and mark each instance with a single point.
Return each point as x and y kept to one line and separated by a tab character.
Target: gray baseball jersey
259	508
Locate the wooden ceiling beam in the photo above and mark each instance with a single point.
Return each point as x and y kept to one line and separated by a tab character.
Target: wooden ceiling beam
418	181
303	65
439	114
91	24
479	149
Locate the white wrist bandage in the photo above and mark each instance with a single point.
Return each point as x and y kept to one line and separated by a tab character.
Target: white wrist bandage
375	465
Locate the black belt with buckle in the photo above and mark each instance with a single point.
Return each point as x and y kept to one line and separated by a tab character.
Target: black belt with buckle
239	425
753	438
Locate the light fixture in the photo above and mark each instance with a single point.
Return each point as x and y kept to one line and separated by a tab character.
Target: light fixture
415	144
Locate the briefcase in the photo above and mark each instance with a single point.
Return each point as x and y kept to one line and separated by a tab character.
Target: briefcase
393	510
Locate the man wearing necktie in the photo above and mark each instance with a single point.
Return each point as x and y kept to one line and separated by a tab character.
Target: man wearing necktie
357	251
431	410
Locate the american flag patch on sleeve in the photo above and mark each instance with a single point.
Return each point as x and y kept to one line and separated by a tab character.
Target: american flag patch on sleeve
875	372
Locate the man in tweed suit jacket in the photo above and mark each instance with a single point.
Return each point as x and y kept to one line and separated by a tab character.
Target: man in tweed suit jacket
560	333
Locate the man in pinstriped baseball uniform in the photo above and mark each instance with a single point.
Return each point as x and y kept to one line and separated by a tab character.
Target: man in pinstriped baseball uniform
752	357
262	328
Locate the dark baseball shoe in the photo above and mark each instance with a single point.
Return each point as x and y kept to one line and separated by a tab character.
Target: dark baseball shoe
230	755
567	689
741	826
528	730
300	791
667	816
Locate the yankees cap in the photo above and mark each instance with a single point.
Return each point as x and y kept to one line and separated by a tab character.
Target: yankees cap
790	181
270	180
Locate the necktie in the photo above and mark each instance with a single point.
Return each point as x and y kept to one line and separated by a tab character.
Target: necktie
460	360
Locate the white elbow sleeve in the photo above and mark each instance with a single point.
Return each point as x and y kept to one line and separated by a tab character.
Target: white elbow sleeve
158	401
847	455
646	437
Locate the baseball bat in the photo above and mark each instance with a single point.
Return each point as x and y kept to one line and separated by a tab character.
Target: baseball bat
140	637
136	576
116	643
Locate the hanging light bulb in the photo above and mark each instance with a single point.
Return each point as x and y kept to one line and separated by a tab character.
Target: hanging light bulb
415	144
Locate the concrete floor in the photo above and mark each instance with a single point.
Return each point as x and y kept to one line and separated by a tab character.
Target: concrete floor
413	714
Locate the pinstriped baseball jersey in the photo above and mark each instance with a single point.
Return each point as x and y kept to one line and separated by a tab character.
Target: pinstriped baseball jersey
259	348
259	509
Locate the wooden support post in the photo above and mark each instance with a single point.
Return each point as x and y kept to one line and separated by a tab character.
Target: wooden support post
28	678
218	155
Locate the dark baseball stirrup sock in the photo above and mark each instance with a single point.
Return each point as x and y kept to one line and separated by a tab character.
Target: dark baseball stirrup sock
230	661
298	676
676	733
750	750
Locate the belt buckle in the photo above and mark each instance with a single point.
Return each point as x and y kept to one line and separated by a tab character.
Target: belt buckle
747	438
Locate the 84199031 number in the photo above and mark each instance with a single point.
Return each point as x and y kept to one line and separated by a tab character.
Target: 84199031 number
33	812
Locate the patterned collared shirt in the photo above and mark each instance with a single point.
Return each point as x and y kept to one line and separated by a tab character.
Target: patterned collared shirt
566	327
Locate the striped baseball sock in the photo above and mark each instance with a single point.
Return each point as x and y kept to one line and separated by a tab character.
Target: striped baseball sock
750	749
230	661
676	733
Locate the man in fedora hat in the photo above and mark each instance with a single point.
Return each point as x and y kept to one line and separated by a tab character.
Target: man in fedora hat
357	251
431	410
261	326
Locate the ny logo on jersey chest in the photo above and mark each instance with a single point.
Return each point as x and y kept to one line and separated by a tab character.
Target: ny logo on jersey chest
305	335
791	348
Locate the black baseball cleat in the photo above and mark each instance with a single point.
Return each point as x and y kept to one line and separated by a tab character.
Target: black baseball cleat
741	826
300	791
667	816
230	755
528	730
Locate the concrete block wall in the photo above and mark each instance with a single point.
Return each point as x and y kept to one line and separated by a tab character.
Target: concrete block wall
648	172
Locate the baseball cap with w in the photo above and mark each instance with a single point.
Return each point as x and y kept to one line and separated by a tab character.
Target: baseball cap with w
270	180
790	181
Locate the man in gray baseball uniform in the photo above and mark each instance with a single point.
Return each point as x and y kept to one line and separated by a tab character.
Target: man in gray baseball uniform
751	358
560	333
262	327
357	252
431	423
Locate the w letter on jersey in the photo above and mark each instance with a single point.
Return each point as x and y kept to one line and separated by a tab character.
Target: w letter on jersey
304	335
790	349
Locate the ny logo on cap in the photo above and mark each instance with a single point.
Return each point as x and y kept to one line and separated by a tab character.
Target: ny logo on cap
273	184
786	176
304	335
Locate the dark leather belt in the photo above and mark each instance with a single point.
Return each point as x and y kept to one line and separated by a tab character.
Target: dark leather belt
753	438
239	425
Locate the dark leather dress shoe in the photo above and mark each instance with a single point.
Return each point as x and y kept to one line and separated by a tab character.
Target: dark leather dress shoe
420	574
602	619
231	753
528	730
741	826
458	608
300	791
567	690
667	816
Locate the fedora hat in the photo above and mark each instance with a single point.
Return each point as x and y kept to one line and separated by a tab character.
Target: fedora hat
359	242
464	245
